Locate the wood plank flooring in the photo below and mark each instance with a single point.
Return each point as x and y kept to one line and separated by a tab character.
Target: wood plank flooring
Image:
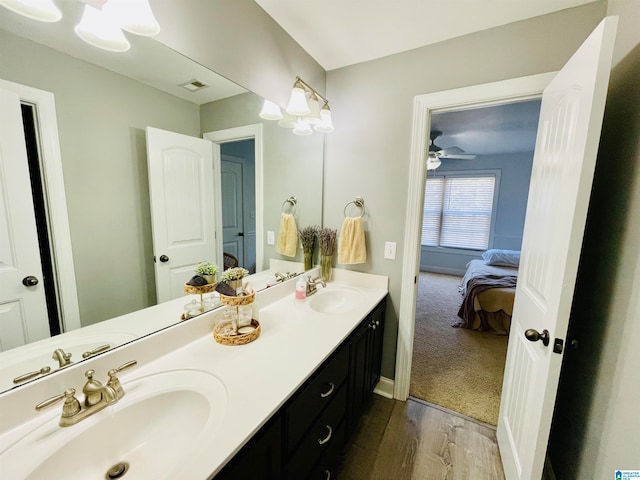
415	440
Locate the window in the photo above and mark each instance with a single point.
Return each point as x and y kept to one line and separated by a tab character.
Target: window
458	211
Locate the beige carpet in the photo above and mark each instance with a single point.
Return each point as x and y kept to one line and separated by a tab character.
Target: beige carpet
455	368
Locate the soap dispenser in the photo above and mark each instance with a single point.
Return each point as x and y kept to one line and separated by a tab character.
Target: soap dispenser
301	289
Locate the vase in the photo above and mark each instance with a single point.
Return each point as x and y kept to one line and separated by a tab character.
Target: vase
209	278
325	267
236	285
308	260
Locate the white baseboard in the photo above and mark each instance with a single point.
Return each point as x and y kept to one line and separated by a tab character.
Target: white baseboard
384	387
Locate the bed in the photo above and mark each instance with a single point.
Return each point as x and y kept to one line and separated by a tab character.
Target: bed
488	293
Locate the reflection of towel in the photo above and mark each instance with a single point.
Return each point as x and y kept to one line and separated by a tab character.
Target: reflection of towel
352	248
287	236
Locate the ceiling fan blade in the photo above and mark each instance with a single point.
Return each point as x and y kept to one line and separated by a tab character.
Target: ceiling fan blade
462	156
450	151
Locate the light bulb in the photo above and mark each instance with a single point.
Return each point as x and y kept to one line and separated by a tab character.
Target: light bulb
325	125
297	102
288	121
270	111
101	31
303	127
134	16
42	10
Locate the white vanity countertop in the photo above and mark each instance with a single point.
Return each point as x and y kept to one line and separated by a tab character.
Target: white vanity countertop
259	377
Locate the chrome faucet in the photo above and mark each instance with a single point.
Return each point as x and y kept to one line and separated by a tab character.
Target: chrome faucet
61	357
96	397
312	284
281	277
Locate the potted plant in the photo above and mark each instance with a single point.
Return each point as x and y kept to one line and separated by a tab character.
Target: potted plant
207	270
233	277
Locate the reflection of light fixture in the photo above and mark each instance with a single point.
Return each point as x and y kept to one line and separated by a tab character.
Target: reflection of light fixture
43	10
134	16
270	111
303	113
100	30
433	162
102	22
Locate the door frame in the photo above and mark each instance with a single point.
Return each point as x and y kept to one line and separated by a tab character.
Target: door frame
504	91
55	198
246	132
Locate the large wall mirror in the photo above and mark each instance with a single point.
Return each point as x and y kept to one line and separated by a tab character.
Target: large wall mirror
104	102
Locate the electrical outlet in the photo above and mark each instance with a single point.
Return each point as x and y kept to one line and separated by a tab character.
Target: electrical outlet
271	237
390	250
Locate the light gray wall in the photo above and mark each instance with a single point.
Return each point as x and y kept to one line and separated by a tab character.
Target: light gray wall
513	189
101	121
368	154
596	422
238	40
293	165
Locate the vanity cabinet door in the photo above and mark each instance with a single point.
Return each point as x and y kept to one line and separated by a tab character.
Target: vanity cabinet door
364	363
376	337
260	459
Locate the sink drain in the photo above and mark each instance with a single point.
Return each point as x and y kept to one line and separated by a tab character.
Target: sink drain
117	471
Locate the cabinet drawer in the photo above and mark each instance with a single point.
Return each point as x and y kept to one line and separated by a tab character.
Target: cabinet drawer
321	390
327	466
326	433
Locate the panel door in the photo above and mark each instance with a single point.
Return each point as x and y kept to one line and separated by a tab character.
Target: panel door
182	193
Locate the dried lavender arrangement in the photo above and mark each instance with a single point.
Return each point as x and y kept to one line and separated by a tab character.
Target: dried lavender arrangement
308	237
327	240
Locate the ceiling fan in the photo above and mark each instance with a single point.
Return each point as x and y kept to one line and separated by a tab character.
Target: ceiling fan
436	153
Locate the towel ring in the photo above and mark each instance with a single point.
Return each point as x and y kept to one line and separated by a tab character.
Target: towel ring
358	202
292	201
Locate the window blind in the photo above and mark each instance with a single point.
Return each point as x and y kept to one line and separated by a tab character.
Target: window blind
458	211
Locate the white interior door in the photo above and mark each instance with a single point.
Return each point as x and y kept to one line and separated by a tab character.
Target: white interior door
232	207
23	310
563	165
182	192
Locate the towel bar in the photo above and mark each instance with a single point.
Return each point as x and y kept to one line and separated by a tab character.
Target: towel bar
358	202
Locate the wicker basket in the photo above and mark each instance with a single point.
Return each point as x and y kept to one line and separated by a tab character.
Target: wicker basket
245	299
238	339
199	290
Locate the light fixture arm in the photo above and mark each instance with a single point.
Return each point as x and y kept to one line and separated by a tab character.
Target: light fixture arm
305	86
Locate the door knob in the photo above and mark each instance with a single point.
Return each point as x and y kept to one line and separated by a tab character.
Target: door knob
241	234
164	258
533	336
30	281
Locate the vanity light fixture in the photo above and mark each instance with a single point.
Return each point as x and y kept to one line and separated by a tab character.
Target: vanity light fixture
42	10
303	113
102	22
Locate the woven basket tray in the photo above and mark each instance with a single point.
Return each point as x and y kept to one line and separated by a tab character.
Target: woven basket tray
199	290
245	299
238	339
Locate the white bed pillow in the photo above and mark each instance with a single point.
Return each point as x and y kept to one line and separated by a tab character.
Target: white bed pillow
504	258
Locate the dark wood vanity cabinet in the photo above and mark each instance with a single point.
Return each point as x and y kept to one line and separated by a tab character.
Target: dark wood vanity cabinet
306	437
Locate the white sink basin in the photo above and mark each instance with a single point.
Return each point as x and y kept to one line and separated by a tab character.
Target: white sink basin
160	419
339	300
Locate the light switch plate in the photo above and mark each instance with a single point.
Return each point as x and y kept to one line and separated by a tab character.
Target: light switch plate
390	250
271	237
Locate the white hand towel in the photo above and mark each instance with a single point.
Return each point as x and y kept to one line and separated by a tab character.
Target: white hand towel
351	247
287	236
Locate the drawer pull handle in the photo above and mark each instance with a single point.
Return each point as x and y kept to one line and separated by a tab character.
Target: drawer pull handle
324	440
328	474
328	392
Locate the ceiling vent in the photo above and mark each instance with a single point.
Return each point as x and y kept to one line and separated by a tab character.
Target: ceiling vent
194	85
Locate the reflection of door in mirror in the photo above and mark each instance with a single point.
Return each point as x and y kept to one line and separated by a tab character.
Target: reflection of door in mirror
237	168
22	292
182	193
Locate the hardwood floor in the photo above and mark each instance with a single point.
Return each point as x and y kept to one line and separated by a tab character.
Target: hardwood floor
415	440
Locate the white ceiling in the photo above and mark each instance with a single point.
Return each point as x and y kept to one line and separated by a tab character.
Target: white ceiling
338	33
